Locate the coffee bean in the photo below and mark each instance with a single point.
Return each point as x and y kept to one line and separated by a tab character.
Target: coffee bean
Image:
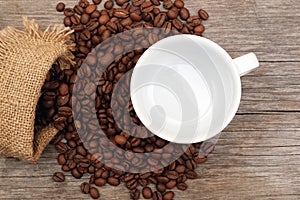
68	12
155	2
191	174
168	195
90	9
203	14
113	181
109	4
157	196
137	2
167	4
100	182
121	13
135	194
147	7
94	193
171	184
63	89
85	18
147	192
58	177
121	2
60	7
161	187
75	173
199	29
194	21
121	140
85	35
182	186
61	147
61	159
184	13
97	2
159	20
177	24
173	13
78	10
179	3
85	188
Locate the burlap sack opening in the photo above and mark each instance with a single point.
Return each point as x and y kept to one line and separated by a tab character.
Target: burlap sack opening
25	59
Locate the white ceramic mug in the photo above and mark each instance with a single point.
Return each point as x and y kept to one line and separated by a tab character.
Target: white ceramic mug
187	89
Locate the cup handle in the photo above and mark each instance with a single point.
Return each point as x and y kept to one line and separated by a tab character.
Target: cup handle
246	63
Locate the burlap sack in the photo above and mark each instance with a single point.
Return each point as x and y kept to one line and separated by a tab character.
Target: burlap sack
25	59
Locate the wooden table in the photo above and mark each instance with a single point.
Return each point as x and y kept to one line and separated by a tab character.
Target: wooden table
257	156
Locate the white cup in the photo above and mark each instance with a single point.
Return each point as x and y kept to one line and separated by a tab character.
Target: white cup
187	89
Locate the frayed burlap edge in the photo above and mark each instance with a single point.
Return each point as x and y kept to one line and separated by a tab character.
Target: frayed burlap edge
55	39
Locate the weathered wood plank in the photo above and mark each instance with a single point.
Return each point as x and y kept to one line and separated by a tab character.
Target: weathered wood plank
257	156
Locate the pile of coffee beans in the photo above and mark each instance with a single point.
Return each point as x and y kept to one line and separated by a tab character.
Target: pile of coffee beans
93	26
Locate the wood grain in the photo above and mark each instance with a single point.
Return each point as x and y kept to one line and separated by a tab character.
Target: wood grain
257	156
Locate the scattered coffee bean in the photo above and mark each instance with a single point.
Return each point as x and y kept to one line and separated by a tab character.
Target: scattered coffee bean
60	7
85	188
203	14
147	192
58	177
168	195
94	193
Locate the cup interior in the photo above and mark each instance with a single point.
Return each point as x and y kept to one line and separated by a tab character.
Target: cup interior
185	89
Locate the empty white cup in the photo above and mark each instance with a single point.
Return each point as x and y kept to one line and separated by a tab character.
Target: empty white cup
187	89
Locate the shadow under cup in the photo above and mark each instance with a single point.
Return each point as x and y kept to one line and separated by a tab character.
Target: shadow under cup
185	89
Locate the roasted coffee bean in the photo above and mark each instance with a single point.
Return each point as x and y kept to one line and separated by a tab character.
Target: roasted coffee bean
155	2
90	9
168	4
161	187
100	182
173	13
168	195
94	193
60	7
61	147
109	4
184	13
167	26
85	18
182	186
97	2
63	89
171	184
121	140
172	175
121	13
75	173
78	10
177	24
121	2
135	194
203	14
68	12
103	19
179	3
61	159
67	21
147	192
199	29
147	7
194	21
85	188
157	196
58	177
85	35
191	174
135	17
159	20
113	181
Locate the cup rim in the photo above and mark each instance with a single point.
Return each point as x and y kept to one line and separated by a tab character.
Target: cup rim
236	82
